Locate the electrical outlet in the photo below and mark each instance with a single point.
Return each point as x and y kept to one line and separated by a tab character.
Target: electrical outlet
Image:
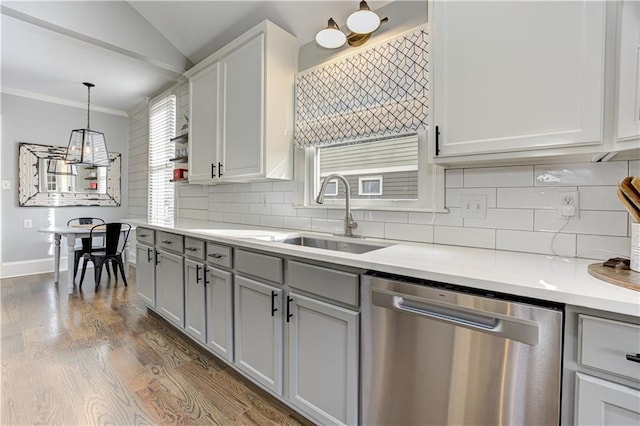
473	206
568	204
27	223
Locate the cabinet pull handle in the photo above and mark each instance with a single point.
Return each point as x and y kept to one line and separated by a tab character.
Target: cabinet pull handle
157	259
289	314
198	278
191	248
167	242
437	140
273	303
213	170
633	357
148	255
219	169
143	235
216	255
204	274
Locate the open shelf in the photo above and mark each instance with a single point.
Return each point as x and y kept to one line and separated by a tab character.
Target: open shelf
179	180
180	159
180	139
91	178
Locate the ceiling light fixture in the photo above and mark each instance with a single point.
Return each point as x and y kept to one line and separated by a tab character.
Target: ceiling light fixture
87	146
362	23
57	166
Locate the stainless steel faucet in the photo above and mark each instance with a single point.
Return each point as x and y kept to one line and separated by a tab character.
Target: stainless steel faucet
349	223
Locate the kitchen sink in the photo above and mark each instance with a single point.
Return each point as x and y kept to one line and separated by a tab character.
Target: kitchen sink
335	245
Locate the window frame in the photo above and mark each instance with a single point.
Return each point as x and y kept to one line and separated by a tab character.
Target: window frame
363	179
430	185
165	214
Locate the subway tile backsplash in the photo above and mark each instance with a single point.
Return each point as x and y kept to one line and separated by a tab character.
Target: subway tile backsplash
522	203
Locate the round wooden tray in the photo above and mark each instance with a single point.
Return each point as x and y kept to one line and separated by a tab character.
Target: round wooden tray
622	276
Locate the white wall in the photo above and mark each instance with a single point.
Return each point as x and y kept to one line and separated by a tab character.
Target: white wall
34	121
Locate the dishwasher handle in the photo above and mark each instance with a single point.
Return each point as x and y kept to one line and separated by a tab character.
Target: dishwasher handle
522	331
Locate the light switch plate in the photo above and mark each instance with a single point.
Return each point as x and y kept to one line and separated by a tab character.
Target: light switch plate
6	184
473	206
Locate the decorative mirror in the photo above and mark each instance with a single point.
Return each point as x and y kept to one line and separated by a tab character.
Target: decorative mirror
47	181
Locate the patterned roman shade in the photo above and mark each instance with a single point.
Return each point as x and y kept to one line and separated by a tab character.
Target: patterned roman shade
379	93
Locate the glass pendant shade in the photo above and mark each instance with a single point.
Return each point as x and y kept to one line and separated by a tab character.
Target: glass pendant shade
331	37
61	167
363	21
87	147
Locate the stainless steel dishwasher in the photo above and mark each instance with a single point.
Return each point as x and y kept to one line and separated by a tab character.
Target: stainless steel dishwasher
435	354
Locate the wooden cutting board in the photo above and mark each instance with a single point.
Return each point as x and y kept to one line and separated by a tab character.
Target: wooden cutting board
622	276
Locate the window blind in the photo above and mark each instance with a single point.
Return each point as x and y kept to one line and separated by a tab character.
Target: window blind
162	127
380	93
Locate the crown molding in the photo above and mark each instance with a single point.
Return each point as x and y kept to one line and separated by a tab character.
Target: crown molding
61	101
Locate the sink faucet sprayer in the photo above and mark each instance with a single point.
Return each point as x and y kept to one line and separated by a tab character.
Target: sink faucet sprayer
349	223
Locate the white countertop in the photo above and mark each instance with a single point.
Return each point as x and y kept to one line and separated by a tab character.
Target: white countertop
551	278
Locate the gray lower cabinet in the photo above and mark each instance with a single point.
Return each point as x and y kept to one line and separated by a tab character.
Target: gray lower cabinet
323	360
170	287
194	297
602	402
145	273
258	332
219	308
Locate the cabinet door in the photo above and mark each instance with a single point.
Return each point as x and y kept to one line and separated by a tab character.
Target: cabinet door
194	297
258	326
219	300
516	76
204	130
145	274
170	287
601	402
242	134
323	360
628	134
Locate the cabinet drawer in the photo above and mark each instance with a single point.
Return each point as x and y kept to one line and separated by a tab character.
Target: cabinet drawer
194	248
335	285
145	235
219	255
604	344
259	265
170	242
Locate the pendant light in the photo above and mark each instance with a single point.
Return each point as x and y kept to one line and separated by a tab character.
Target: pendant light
87	146
331	37
58	166
363	21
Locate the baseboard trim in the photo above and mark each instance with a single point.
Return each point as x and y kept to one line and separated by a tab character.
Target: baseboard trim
33	267
41	266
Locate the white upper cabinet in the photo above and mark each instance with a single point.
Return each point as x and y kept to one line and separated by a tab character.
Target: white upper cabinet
516	79
628	87
241	126
204	132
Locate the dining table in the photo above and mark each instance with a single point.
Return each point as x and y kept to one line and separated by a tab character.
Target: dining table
72	233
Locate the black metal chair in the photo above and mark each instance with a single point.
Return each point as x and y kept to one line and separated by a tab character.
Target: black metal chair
116	235
86	242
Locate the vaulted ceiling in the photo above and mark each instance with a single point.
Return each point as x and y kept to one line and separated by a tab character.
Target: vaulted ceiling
131	49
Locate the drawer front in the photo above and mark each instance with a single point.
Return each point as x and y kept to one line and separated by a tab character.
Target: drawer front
194	248
172	242
336	285
605	344
259	265
219	255
145	235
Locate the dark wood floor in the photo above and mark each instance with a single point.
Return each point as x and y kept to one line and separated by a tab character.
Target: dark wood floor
101	358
